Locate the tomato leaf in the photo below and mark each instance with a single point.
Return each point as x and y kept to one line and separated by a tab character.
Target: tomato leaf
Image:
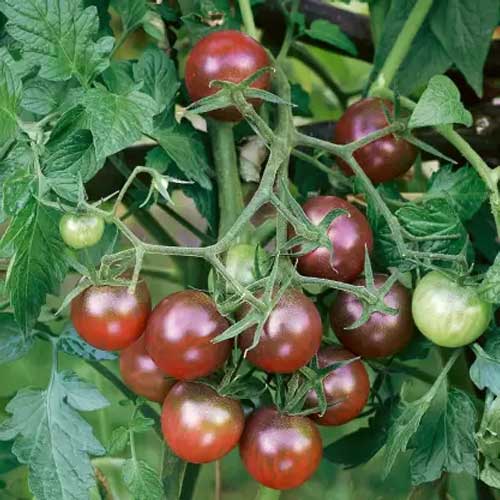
117	121
17	191
13	344
142	480
37	266
489	442
52	439
132	12
485	371
325	31
489	289
42	96
462	187
61	41
464	29
10	99
71	343
445	441
119	440
439	105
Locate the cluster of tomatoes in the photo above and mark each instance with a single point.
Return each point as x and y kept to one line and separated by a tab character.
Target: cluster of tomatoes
165	351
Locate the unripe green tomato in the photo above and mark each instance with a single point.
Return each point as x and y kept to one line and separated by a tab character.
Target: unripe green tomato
81	231
447	313
240	263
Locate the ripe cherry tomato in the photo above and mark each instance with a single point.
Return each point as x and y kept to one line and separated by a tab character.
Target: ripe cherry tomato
291	335
349	235
347	387
199	425
383	159
229	56
141	374
383	334
81	231
280	451
180	332
110	317
449	314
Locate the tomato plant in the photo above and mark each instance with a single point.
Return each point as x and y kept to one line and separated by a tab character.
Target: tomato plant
290	336
383	159
276	178
179	336
111	317
199	425
383	334
280	451
449	314
346	388
81	231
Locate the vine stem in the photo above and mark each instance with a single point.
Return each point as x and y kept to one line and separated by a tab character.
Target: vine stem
247	15
402	44
264	493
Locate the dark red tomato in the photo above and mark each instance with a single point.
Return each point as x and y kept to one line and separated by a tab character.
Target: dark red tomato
225	55
141	374
349	235
383	334
180	332
347	387
383	159
110	317
292	335
199	425
280	451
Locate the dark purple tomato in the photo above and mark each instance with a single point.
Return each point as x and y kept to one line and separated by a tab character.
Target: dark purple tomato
110	317
292	335
228	56
383	334
179	335
349	234
280	451
141	374
346	388
200	425
383	159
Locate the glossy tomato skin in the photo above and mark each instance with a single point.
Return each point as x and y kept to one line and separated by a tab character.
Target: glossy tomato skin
348	387
229	56
110	317
280	451
81	231
292	335
198	424
447	313
140	373
383	334
179	335
383	159
349	235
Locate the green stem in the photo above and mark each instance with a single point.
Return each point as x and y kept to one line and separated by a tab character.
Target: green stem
402	44
231	203
264	493
287	42
247	15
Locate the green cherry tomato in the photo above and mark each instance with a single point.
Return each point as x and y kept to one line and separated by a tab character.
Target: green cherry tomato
449	314
81	231
240	263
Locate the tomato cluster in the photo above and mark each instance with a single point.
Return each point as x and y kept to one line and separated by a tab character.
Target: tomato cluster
165	351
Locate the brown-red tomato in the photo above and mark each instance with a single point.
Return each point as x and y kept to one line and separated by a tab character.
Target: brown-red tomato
383	334
280	451
200	425
179	335
349	234
346	388
110	317
383	159
227	56
141	374
290	338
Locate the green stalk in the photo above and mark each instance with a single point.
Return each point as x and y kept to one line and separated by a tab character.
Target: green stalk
402	44
247	15
231	203
264	493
